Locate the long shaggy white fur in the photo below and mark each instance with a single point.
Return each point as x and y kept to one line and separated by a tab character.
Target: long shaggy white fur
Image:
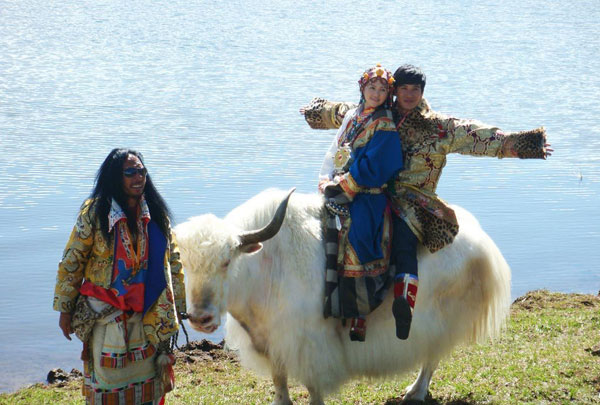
275	296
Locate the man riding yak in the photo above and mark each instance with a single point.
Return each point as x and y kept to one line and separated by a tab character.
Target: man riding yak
419	214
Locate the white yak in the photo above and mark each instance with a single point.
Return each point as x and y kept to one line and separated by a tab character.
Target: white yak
274	294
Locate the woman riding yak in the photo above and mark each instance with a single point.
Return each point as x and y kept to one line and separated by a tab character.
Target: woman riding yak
419	215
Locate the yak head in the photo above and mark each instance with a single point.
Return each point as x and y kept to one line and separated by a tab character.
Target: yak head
208	245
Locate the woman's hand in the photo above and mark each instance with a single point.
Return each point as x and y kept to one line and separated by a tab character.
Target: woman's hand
332	189
322	185
64	323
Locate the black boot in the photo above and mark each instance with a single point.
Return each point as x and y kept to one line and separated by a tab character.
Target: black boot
405	295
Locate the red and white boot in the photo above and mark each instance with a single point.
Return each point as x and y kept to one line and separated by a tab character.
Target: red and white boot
358	329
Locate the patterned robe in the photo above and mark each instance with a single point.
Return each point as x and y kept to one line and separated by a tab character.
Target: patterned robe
427	137
119	371
356	282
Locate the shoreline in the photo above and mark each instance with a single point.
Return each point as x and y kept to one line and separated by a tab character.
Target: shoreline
540	311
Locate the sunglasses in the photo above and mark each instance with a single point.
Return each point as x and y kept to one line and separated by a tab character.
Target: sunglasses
132	171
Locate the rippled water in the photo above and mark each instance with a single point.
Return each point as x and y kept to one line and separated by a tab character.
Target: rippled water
209	92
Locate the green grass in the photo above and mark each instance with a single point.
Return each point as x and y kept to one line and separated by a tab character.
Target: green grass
549	354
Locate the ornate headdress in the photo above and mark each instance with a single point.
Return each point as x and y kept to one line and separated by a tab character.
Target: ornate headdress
377	73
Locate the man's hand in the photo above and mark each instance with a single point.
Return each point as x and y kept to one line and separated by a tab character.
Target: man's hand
547	150
64	323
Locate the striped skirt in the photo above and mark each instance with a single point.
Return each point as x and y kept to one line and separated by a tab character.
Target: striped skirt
354	289
121	367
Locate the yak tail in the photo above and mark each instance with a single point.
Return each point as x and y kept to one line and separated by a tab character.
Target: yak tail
495	296
472	285
490	290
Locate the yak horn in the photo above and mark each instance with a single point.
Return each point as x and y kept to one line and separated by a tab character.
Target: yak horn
271	229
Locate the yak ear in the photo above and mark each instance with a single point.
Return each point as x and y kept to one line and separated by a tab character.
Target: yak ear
251	248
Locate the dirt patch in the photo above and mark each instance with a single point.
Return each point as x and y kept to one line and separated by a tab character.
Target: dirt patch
204	350
541	299
594	351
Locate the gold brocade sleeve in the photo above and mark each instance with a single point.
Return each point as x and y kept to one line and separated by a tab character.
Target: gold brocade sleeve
474	138
75	257
470	137
177	275
324	114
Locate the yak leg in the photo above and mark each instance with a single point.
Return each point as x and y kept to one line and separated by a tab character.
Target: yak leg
282	395
418	390
315	396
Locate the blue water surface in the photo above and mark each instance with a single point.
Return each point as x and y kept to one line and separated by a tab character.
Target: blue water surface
210	91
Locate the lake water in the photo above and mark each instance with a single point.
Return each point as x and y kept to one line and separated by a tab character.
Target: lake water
210	91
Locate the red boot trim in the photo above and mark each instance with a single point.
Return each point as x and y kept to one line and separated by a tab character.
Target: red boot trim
411	293
406	285
358	329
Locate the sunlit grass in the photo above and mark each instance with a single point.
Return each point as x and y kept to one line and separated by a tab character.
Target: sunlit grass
549	354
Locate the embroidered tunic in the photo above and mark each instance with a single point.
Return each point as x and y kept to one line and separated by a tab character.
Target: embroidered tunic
356	281
427	137
146	283
373	162
88	255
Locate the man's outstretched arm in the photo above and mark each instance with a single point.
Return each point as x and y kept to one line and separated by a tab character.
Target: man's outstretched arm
475	138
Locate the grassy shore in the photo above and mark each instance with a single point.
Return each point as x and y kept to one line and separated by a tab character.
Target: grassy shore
549	354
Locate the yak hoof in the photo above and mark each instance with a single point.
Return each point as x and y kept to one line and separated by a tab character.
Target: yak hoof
315	397
412	397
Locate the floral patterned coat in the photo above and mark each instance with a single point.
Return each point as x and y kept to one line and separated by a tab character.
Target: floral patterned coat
427	137
89	255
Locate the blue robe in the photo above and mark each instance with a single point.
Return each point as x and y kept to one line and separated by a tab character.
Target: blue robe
357	278
376	157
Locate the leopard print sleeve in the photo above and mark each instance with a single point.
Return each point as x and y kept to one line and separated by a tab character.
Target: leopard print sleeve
324	114
525	144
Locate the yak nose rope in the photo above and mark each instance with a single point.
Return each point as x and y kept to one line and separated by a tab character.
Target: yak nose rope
187	338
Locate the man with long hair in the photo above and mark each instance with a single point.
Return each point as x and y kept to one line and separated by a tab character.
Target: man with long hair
120	286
